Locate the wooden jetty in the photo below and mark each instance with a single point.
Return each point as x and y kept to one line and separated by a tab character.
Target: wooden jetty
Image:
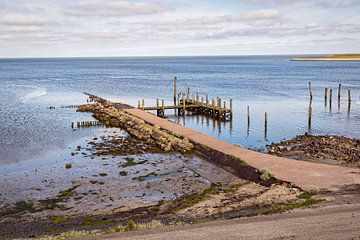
184	102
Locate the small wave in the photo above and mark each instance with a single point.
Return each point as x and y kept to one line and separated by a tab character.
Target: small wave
37	92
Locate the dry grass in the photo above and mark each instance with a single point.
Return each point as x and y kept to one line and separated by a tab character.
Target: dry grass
350	55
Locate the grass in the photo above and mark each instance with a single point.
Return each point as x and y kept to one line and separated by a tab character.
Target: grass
19	207
91	221
265	175
308	194
190	200
131	226
290	206
59	219
348	55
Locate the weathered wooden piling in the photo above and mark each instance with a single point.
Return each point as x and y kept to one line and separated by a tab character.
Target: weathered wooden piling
266	125
175	89
330	98
163	107
309	117
266	121
143	104
139	104
326	95
349	99
339	92
310	91
197	97
248	115
157	102
183	105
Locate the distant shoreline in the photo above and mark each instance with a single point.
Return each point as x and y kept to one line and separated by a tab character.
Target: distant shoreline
334	57
325	59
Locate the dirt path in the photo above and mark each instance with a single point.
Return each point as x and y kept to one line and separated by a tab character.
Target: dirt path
331	222
306	175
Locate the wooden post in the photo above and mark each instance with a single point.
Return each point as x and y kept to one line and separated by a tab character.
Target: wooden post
310	117
266	124
188	94
326	93
219	103
183	104
157	102
175	89
339	92
231	107
197	98
143	104
202	101
163	107
310	91
193	99
248	115
330	97
139	104
224	104
349	99
207	100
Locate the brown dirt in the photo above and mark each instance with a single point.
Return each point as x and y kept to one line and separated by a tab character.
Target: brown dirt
335	150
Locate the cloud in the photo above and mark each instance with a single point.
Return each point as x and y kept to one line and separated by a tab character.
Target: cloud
115	9
348	3
15	19
271	2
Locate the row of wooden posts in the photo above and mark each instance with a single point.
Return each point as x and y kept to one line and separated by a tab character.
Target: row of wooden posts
85	124
186	102
217	108
331	94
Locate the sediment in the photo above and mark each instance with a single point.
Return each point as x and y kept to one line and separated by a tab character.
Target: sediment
113	116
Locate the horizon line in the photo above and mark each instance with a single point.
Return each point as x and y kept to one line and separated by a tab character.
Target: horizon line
165	56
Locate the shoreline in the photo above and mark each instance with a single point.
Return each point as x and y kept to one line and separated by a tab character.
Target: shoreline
326	59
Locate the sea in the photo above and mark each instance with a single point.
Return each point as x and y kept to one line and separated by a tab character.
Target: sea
34	93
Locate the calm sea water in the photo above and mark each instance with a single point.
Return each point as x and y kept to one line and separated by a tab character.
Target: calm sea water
271	84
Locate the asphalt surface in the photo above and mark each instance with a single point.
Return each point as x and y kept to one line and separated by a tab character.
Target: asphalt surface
330	222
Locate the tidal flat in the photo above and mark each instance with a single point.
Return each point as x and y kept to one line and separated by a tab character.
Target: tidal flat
103	174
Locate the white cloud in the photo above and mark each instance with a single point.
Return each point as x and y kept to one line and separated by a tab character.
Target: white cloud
348	3
115	9
15	19
271	2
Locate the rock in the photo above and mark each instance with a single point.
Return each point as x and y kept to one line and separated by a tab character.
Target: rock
68	165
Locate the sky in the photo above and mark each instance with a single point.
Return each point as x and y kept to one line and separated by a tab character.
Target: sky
91	28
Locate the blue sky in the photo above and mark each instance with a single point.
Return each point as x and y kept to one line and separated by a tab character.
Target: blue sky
85	28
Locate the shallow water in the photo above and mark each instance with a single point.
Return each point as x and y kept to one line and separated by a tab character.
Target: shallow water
271	84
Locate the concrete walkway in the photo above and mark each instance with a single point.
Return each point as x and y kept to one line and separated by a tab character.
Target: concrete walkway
306	175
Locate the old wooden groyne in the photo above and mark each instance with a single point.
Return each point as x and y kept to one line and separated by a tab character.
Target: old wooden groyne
216	108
